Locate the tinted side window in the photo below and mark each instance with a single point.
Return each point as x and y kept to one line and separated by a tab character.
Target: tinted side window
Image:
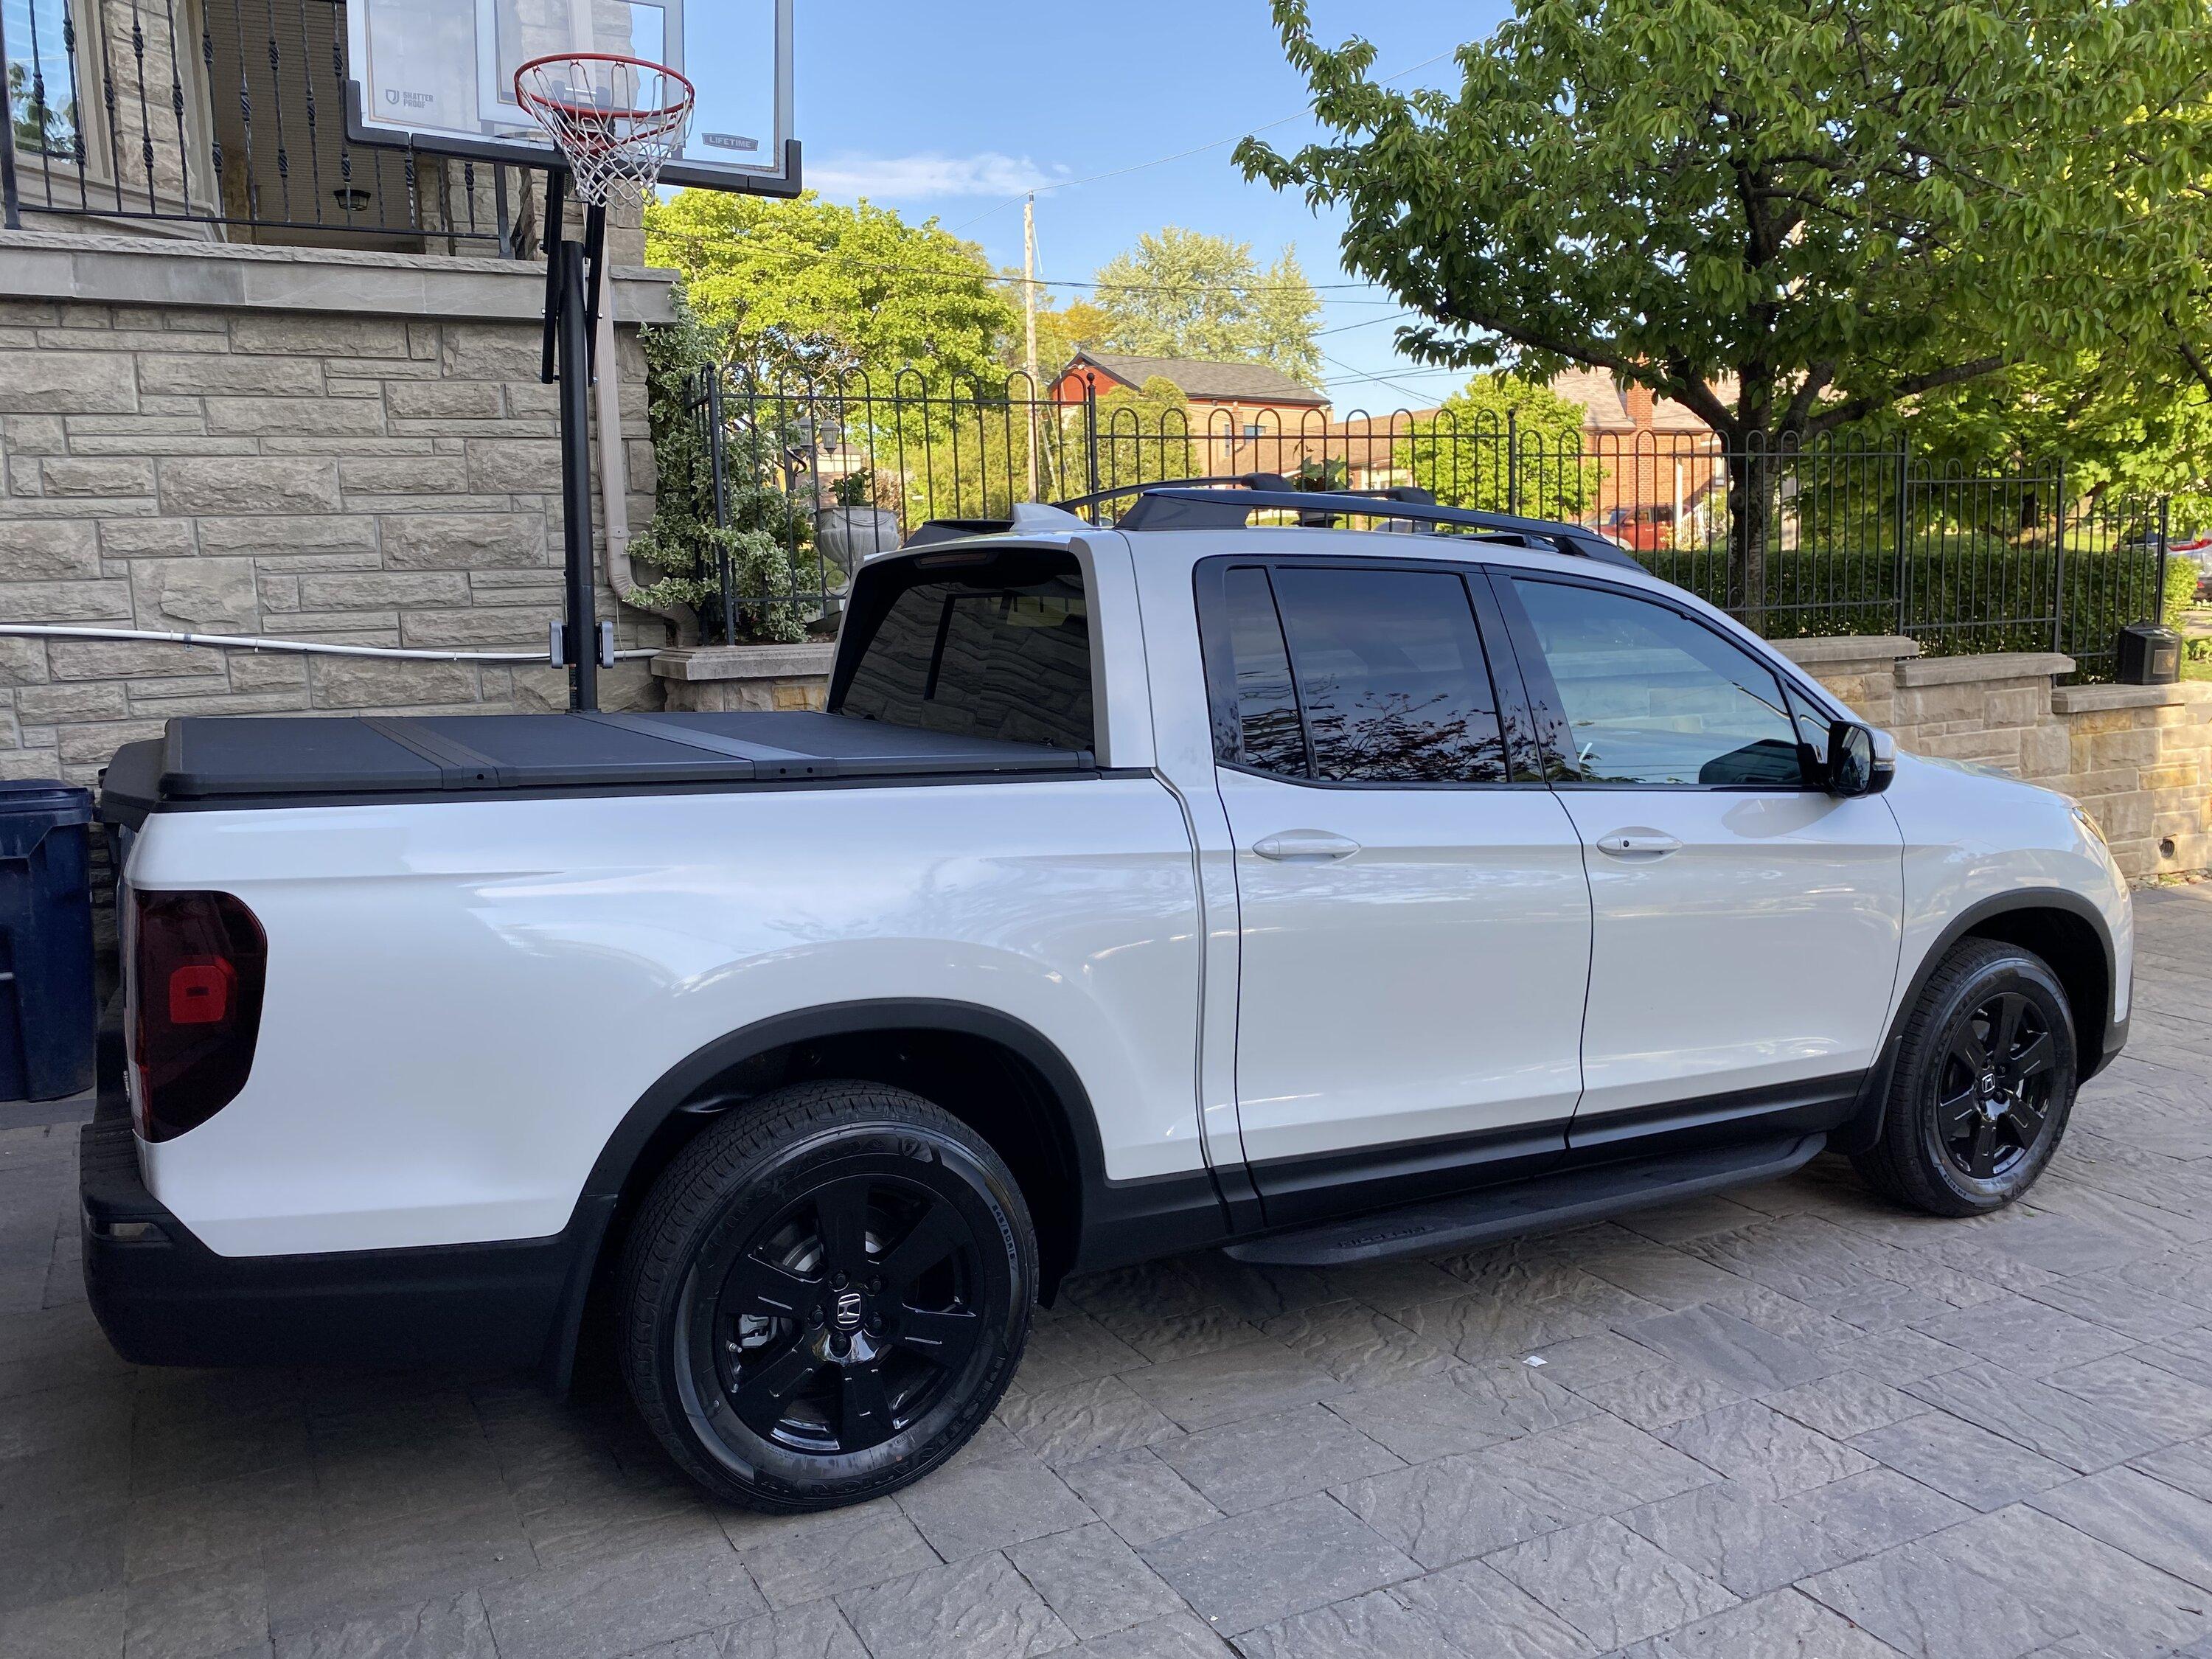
1268	735
1390	673
999	649
1652	697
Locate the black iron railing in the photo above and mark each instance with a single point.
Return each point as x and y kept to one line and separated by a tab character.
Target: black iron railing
227	116
1794	539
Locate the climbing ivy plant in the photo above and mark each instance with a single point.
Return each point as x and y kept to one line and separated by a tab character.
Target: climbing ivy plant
684	543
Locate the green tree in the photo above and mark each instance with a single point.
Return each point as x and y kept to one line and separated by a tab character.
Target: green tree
1502	443
1062	330
1144	436
810	289
1186	294
1787	217
2119	431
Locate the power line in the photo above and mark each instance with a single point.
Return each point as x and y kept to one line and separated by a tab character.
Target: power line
1364	322
694	239
1364	377
1116	173
1361	376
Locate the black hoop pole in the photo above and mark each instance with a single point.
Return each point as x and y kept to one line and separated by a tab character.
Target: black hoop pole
550	237
568	357
595	259
583	643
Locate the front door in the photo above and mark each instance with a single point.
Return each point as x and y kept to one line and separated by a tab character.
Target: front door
1745	924
1413	917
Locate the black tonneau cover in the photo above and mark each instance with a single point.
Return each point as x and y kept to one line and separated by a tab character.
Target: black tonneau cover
294	759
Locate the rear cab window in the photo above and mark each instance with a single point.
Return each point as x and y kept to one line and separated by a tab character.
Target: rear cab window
991	643
1352	674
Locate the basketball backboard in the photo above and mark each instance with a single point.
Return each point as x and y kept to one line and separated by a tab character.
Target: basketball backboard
439	75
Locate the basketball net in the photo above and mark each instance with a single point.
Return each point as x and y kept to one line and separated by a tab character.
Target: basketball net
618	120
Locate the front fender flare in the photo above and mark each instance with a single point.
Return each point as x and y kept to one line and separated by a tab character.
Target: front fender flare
1863	1129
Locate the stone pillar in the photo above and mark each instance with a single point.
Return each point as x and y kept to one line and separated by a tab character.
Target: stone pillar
754	678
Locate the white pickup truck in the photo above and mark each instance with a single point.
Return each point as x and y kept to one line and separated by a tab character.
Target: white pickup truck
1319	894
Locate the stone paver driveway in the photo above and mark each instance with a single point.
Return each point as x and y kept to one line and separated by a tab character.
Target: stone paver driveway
1791	1422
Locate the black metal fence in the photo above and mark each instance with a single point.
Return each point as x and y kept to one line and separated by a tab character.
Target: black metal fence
225	114
1795	540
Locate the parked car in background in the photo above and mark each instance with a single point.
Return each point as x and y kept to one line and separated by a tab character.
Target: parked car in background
1649	528
2198	548
1321	895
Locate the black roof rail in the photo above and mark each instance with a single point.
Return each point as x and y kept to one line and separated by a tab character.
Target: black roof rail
1248	480
1173	507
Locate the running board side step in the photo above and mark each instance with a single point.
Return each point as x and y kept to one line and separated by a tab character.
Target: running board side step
1546	1203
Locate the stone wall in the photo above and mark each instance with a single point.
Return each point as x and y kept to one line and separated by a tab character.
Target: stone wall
751	679
2139	757
334	446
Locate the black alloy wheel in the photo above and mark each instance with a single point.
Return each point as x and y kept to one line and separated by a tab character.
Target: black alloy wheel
825	1294
1994	1094
1982	1086
845	1318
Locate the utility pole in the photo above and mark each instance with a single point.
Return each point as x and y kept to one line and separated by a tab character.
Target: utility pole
1028	325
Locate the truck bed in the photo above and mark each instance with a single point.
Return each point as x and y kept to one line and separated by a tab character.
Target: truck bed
303	760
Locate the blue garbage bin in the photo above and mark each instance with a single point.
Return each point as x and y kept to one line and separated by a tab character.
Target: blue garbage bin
47	1011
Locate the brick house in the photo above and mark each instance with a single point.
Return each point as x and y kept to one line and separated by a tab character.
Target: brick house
1660	472
1657	466
255	380
1244	418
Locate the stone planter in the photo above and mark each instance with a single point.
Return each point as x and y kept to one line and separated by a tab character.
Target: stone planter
847	535
756	678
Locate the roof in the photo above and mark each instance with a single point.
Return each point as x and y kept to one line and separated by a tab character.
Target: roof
1199	377
1399	423
1668	415
1593	392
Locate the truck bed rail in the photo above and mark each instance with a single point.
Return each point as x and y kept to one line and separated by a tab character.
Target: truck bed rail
298	759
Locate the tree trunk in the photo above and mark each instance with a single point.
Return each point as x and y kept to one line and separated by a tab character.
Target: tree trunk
1750	486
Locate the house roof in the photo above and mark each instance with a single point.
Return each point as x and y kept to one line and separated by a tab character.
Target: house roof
1599	400
1399	423
1668	415
1241	382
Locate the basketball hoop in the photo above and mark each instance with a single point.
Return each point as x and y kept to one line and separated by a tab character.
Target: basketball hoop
618	120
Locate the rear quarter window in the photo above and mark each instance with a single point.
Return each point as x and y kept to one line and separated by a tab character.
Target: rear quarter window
993	645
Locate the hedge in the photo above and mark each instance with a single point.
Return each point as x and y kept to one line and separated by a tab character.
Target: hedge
1970	596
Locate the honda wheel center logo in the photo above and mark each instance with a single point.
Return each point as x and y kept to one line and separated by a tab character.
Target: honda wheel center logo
848	1311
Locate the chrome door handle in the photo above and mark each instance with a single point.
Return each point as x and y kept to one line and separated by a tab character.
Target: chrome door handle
1638	844
1305	844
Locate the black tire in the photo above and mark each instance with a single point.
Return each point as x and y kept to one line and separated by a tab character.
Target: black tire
1984	1085
824	1296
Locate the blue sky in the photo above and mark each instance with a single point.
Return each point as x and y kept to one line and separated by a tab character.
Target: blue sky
949	110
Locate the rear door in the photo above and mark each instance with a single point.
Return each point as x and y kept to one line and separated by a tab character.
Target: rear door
1414	922
1745	922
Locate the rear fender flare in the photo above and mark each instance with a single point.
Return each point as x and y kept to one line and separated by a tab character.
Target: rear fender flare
1112	1217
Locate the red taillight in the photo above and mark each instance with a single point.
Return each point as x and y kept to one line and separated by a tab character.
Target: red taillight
199	993
199	962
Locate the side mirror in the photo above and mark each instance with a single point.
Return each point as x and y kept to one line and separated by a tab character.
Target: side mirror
1860	760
